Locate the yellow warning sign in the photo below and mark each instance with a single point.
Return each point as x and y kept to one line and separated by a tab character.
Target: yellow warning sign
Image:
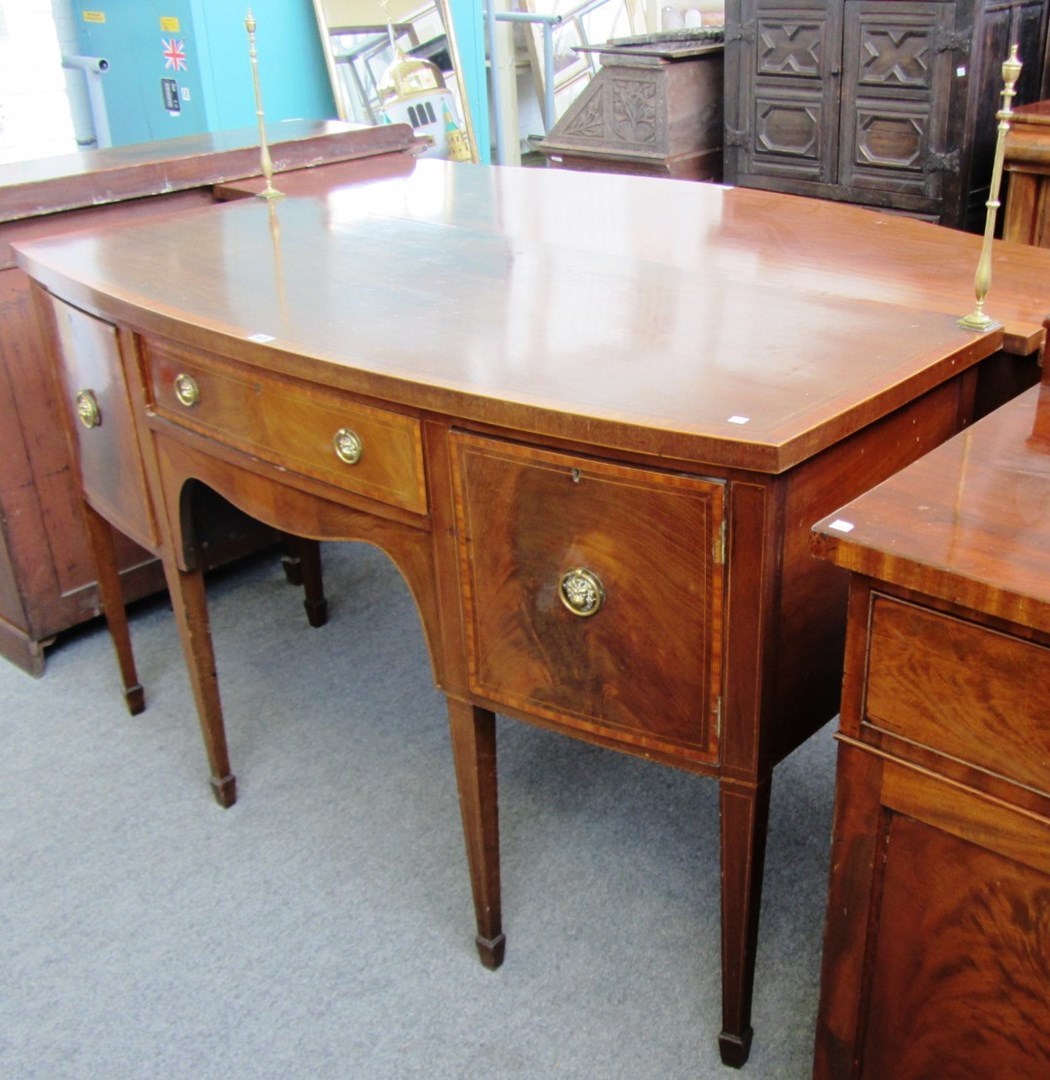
169	24
93	16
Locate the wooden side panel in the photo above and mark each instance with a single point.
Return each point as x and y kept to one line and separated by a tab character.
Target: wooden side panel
813	595
857	841
19	507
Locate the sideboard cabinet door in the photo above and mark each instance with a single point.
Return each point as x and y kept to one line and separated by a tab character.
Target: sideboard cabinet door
103	430
593	592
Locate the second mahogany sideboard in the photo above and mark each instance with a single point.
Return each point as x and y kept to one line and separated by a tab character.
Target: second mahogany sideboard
590	417
937	947
47	581
1026	219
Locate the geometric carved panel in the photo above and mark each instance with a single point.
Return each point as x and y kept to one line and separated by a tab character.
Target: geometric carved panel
889	141
895	56
786	127
787	48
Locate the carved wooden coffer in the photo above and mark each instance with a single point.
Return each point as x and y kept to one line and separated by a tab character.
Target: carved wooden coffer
655	107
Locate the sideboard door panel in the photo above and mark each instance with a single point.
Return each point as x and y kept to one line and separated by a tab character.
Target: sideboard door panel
961	965
643	665
106	447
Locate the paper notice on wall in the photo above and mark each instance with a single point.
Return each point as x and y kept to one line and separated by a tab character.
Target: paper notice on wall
93	16
169	24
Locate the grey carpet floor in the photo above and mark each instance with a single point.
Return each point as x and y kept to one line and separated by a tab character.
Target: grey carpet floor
322	927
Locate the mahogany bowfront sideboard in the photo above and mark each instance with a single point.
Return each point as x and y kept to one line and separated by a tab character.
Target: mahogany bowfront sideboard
591	418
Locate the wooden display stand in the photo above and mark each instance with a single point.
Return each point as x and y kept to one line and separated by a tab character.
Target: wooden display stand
654	108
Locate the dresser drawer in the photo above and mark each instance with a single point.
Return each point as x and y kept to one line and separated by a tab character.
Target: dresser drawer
593	592
304	428
960	689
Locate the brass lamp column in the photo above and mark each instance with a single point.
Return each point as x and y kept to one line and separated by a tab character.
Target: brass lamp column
269	192
977	319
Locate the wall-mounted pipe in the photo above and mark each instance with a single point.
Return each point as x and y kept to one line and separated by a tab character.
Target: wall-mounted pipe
93	68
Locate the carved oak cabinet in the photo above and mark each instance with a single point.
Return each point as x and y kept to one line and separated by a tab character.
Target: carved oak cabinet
887	103
654	108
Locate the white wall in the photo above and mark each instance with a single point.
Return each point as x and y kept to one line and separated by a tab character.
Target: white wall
35	116
64	13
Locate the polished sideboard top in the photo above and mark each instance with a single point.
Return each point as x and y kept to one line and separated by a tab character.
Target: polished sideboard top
708	325
968	523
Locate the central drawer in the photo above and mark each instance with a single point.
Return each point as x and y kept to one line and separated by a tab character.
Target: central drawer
308	429
593	592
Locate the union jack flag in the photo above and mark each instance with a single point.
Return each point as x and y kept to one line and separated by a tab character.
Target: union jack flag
174	55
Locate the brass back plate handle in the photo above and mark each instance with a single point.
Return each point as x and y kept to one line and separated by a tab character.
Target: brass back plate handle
87	408
581	591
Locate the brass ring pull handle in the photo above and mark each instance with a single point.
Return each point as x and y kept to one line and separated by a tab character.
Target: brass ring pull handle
87	409
348	446
187	390
581	591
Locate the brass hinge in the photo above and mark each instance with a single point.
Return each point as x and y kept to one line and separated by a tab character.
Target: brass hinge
718	717
720	545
